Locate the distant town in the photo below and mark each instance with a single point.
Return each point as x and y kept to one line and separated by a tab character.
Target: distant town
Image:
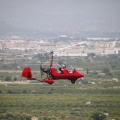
63	46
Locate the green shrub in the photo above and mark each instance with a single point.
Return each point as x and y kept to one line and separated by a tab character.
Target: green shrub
98	116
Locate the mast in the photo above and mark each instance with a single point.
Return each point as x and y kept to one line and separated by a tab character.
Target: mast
51	62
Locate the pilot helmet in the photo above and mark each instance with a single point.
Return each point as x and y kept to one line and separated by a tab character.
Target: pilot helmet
64	66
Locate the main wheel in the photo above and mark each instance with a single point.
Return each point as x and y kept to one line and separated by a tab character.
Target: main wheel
73	81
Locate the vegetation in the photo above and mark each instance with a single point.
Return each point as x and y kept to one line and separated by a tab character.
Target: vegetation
61	101
98	116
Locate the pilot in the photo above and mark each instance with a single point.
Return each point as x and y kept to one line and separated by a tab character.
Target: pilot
61	68
64	66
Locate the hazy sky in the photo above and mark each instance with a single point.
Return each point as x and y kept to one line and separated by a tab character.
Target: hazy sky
61	14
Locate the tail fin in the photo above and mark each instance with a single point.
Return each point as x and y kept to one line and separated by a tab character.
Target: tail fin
27	73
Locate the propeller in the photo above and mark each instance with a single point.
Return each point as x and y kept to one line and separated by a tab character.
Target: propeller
41	71
41	68
47	69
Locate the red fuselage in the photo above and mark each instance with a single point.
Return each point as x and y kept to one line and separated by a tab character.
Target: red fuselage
65	74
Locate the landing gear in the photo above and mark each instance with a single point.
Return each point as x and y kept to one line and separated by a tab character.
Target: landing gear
73	81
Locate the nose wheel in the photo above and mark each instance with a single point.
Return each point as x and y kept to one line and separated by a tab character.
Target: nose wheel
73	81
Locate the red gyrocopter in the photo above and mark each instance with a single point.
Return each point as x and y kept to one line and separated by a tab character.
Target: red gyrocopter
53	74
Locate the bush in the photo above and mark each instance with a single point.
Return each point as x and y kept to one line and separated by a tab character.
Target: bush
98	116
10	116
8	78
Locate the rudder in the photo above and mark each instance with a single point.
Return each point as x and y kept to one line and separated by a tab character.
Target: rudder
27	73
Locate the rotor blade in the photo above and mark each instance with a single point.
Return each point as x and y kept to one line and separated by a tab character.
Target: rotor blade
72	67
